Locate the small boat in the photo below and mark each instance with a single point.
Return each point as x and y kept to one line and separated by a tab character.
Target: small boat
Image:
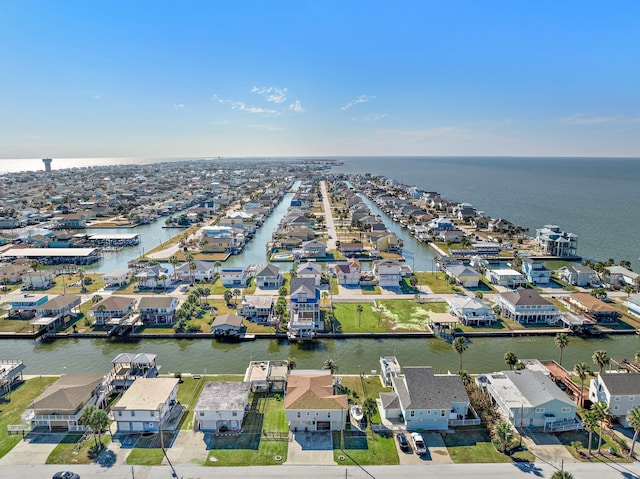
356	413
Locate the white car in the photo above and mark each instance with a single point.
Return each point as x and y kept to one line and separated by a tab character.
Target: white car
418	443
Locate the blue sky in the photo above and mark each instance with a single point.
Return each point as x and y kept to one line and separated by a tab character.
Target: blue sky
312	78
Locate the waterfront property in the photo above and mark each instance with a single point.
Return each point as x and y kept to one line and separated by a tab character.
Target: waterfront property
595	309
471	311
527	306
257	308
619	276
633	305
535	271
117	277
128	367
267	376
114	310
54	255
424	400
269	276
229	325
619	390
157	309
529	398
348	272
26	305
305	317
52	314
509	278
233	277
221	406
310	270
311	403
577	274
389	368
203	271
10	372
464	275
38	280
388	273
61	404
553	242
146	405
151	277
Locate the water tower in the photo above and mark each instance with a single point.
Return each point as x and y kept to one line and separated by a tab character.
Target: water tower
47	165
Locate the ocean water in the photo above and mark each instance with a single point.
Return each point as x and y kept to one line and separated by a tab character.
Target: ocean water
595	198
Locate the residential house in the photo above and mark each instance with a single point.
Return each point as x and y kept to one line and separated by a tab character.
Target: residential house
310	270
158	309
424	400
313	249
577	274
116	277
305	317
269	276
633	305
203	271
10	373
530	398
147	406
389	368
441	224
61	404
500	225
535	271
388	273
348	273
311	403
221	406
619	276
509	278
233	277
527	306
113	310
351	249
152	277
13	273
267	376
464	275
38	280
53	313
450	236
216	244
257	308
471	311
26	304
593	308
128	367
553	242
389	243
620	391
227	325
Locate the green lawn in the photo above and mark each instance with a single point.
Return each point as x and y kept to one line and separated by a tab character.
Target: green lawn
370	289
189	390
145	457
15	325
13	405
368	321
407	315
500	325
436	282
567	438
472	446
71	451
263	438
364	450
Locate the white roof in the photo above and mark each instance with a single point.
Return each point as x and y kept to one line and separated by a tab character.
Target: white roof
47	252
147	394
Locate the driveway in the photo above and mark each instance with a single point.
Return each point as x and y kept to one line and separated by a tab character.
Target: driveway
310	448
34	449
189	447
436	451
546	447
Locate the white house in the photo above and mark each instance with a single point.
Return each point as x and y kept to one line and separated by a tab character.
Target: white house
509	278
311	404
577	274
233	277
620	390
348	273
551	241
221	406
151	277
464	275
310	270
257	307
147	403
388	272
204	271
633	305
620	276
305	316
38	279
471	311
116	277
527	306
157	309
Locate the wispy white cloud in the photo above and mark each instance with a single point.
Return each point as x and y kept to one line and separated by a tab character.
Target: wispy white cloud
178	106
268	127
360	99
374	118
271	93
582	119
422	134
242	106
297	107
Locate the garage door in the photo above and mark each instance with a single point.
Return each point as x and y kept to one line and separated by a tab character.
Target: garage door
323	426
137	426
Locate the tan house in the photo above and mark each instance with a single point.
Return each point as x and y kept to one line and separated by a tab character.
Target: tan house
13	273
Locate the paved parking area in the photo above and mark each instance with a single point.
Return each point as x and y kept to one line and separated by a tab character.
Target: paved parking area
188	447
310	448
34	449
436	451
546	446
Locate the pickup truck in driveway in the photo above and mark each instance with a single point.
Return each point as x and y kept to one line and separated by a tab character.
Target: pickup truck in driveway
418	443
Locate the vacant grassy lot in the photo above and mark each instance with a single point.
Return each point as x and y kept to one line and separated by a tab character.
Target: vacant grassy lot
15	325
367	321
407	315
436	282
13	405
364	449
472	446
71	451
145	457
570	437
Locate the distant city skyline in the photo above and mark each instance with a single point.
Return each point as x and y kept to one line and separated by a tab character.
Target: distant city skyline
291	78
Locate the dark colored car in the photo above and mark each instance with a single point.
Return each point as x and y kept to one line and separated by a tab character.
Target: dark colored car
404	444
66	475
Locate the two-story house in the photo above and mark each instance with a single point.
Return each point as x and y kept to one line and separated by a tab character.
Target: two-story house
621	392
535	271
577	274
527	306
464	275
156	276
388	272
257	308
592	307
633	305
146	404
112	309
157	309
269	276
233	277
348	273
310	270
471	311
221	406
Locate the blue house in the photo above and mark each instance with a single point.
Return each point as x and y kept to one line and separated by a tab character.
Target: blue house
535	271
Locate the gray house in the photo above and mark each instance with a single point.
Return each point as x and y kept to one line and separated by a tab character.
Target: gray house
424	400
530	398
621	392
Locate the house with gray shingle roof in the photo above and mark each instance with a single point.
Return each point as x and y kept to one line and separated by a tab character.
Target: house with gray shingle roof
529	398
269	277
621	392
424	400
527	306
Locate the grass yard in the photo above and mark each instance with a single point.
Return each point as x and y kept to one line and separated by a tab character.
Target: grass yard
145	457
370	289
13	405
569	437
500	325
71	284
14	325
436	282
407	315
472	446
71	451
368	321
364	450
189	390
264	440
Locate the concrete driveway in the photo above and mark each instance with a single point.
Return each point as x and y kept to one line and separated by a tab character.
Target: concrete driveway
188	447
310	448
436	451
34	449
546	447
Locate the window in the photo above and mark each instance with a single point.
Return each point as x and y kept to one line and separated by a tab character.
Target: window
119	413
412	413
566	409
443	413
133	414
234	413
152	413
616	407
632	398
539	409
616	398
298	414
328	414
201	413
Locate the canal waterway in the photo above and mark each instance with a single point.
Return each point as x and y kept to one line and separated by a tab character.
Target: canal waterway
352	355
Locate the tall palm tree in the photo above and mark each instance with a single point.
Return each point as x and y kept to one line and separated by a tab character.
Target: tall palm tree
460	345
192	267
236	294
601	359
637	357
589	422
562	341
331	365
369	408
511	359
603	413
359	309
581	370
174	261
228	295
503	434
633	418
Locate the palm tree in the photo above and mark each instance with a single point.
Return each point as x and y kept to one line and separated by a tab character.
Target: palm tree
173	261
562	341
236	294
503	434
291	363
561	474
217	265
602	412
283	291
325	296
331	365
192	267
460	345
581	370
35	264
359	309
96	420
633	418
601	359
163	278
589	422
466	377
369	407
228	295
511	359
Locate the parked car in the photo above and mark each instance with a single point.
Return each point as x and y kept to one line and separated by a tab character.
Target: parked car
66	475
418	443
404	444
